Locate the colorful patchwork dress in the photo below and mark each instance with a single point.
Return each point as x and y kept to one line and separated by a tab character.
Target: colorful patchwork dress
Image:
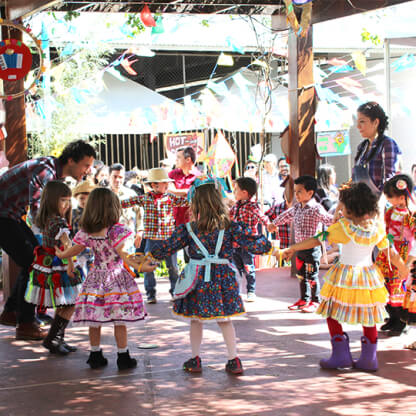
49	284
216	296
409	304
109	294
400	227
354	290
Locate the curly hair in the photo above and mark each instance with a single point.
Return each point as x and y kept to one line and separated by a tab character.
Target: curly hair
374	111
395	186
359	200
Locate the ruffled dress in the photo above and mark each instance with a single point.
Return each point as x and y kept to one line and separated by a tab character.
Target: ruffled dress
109	295
354	290
49	284
217	299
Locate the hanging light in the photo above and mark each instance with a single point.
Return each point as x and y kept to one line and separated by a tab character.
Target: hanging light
225	60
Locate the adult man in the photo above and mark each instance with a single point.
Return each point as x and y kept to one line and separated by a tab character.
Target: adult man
20	188
283	168
272	191
131	217
183	176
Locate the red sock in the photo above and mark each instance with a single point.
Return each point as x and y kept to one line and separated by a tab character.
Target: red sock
371	333
335	328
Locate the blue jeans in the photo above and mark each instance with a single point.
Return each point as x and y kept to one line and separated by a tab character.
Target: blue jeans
149	277
244	261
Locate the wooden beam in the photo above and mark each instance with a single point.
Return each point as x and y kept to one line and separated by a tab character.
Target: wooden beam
22	8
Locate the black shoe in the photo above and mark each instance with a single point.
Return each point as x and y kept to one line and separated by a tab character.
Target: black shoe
234	366
397	329
151	300
388	325
70	348
45	318
97	359
124	361
193	365
55	346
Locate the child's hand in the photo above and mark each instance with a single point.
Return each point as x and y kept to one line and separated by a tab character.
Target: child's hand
271	228
148	266
287	253
59	253
403	272
71	270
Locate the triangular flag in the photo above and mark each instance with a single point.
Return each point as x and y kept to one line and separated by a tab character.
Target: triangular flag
158	29
360	61
147	17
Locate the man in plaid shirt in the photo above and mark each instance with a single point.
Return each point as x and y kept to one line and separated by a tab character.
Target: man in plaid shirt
158	223
307	216
247	212
21	187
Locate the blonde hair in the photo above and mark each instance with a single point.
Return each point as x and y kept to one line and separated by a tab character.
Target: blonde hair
208	209
49	203
103	210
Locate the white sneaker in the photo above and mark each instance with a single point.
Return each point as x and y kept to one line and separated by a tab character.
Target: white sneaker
251	297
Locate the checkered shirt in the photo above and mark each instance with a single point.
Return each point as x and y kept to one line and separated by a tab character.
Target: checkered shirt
248	212
158	219
283	231
375	167
21	186
307	220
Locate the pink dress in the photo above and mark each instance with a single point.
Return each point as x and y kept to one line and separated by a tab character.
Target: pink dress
109	294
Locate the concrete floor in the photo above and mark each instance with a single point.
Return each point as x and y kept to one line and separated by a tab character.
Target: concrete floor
280	351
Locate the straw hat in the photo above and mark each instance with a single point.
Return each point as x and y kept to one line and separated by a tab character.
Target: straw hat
158	175
84	187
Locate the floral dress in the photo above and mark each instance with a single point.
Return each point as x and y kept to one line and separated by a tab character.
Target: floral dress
218	299
109	294
49	284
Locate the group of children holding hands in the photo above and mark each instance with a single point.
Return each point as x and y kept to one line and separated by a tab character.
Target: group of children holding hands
221	244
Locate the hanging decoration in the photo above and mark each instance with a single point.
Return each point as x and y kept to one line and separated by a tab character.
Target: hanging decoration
360	61
300	29
158	28
16	59
147	17
220	157
126	64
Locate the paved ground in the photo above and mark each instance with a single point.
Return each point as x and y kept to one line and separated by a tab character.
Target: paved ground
280	352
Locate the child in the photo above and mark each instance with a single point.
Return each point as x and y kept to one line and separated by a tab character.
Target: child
247	212
354	290
52	282
159	223
408	313
81	193
210	239
307	215
109	295
400	227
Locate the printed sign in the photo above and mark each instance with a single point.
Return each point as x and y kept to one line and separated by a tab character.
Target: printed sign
173	142
333	143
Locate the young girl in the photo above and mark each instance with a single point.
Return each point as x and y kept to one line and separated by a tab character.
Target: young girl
216	297
408	314
354	291
400	227
109	295
54	283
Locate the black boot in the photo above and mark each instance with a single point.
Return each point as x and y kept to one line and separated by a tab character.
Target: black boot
52	342
61	336
398	325
124	361
390	320
97	359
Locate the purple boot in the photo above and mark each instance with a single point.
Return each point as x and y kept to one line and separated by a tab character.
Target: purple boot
368	357
341	355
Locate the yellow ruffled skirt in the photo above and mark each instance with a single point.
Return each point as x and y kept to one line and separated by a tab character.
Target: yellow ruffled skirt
354	295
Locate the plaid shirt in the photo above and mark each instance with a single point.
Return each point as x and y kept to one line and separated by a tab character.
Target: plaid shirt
158	219
306	220
21	186
283	231
248	212
375	168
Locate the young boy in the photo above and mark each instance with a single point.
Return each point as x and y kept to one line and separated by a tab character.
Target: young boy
247	212
307	216
159	223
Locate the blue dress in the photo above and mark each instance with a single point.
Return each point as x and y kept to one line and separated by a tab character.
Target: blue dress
219	298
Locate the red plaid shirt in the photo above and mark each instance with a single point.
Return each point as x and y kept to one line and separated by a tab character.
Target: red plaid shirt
248	212
283	231
306	220
158	220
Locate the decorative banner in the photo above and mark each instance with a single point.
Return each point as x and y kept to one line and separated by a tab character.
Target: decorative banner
404	62
360	61
220	157
173	142
341	68
333	143
126	64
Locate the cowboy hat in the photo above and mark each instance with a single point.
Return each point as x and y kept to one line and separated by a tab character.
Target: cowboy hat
158	175
84	187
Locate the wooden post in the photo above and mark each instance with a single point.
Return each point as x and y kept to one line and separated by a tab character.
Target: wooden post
16	149
301	105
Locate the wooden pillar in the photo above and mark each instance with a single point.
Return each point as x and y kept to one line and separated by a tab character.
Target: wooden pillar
15	146
301	105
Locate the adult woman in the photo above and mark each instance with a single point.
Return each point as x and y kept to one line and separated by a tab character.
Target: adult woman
102	174
251	170
327	193
377	156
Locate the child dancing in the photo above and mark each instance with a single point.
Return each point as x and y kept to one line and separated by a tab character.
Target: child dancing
401	228
354	290
216	296
53	282
109	295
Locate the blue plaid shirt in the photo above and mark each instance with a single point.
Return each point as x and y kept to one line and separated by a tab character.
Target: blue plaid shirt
375	168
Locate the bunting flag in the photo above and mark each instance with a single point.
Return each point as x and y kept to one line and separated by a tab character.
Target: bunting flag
337	62
158	29
126	64
404	62
360	61
341	68
350	85
220	157
233	44
146	17
219	88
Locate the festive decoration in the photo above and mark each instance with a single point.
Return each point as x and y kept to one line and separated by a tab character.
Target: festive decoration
300	29
234	45
220	157
158	29
126	64
16	59
404	62
225	60
333	143
360	61
147	17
